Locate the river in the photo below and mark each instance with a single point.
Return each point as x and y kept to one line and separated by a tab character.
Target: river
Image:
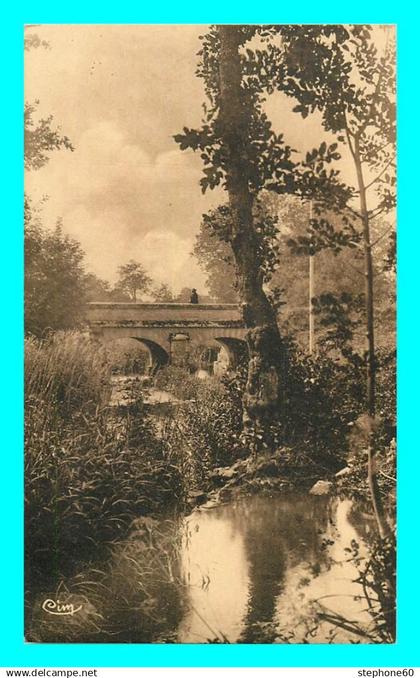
254	568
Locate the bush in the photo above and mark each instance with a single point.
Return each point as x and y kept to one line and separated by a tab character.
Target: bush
323	398
205	432
324	401
386	405
177	381
126	357
355	482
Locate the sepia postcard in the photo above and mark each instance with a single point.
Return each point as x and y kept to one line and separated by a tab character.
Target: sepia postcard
210	340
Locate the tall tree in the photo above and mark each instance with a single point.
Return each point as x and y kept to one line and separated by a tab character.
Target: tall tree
240	150
54	278
226	144
132	278
163	294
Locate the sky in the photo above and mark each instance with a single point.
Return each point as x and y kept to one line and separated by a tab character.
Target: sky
120	93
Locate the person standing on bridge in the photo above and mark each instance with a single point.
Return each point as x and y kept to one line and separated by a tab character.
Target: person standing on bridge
194	296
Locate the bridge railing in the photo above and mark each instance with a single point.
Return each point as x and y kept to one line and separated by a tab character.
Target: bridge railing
161	312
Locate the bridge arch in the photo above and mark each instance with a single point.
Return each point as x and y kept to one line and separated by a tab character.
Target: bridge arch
235	348
157	354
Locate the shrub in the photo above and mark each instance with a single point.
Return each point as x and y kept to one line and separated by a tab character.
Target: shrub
126	357
355	482
204	433
323	398
386	406
177	381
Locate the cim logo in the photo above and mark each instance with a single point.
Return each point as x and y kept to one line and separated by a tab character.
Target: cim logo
60	608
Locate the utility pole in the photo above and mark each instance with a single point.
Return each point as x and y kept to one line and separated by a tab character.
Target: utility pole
311	289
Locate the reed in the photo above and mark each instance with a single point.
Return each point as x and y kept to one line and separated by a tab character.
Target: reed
89	470
136	596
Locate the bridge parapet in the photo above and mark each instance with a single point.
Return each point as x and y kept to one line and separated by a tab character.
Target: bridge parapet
123	314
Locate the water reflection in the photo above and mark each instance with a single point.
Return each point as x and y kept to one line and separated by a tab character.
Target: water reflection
253	567
215	572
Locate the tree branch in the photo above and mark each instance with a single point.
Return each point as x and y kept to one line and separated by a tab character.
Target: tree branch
371	108
355	212
380	173
379	238
374	215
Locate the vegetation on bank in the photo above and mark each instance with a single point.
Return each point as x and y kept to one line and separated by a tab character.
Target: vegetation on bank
134	595
89	470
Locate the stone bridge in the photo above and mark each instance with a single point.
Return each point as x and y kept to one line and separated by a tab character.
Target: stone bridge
170	330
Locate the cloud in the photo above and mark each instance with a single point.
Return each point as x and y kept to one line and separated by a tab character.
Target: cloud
121	202
168	256
120	92
142	77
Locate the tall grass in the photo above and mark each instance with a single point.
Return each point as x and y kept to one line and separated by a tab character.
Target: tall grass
137	596
64	373
89	470
204	432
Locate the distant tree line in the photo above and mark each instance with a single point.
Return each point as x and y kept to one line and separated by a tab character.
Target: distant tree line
57	286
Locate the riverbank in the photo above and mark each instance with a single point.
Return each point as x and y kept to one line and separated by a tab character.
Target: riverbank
257	569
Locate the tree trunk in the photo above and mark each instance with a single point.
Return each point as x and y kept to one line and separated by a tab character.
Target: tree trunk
370	349
263	389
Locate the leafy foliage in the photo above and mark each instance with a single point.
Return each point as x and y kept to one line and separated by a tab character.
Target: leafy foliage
54	277
216	260
96	288
33	41
213	251
163	294
268	161
133	278
40	138
341	316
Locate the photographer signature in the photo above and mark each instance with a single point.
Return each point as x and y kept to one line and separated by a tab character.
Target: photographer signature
58	607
